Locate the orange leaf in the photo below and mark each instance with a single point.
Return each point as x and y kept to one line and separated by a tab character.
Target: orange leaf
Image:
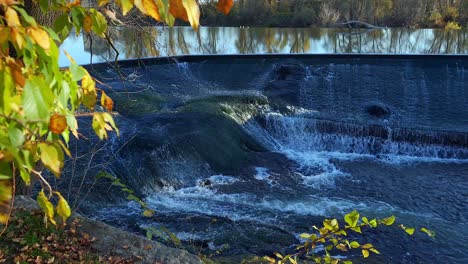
87	23
17	38
225	6
148	7
74	3
12	17
107	102
8	2
57	124
176	8
40	36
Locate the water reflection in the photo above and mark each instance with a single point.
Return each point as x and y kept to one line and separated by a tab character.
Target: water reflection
159	41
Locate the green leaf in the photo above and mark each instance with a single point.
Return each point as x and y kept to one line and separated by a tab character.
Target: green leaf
148	213
63	209
375	251
373	223
52	157
354	244
46	206
16	136
389	220
304	236
37	99
126	6
99	23
5	170
428	232
352	218
347	262
409	231
356	229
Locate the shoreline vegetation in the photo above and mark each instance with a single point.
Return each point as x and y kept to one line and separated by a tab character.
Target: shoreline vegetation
333	13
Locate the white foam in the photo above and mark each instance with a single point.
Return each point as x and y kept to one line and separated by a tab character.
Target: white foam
263	175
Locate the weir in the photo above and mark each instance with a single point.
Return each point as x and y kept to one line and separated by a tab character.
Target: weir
266	144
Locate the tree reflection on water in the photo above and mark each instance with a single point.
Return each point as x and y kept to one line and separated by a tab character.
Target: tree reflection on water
161	41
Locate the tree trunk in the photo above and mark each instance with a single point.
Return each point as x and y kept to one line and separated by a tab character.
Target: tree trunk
46	19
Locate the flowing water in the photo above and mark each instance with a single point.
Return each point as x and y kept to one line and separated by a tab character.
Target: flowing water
244	154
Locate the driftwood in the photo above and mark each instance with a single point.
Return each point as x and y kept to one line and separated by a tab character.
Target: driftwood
361	24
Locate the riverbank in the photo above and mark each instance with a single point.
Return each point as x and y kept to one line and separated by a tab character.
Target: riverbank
28	239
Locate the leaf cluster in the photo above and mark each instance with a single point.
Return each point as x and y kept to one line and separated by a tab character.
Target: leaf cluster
40	102
333	237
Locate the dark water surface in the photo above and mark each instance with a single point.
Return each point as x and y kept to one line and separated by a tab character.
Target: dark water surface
246	153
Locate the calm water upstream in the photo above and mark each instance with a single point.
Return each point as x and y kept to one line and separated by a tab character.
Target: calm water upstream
158	41
242	154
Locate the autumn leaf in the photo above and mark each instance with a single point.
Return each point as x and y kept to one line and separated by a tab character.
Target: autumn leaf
87	23
89	91
46	206
149	8
225	6
102	2
63	209
52	157
107	102
11	17
57	124
177	9
40	36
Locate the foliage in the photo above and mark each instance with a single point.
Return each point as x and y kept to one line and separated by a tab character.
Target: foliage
28	240
40	102
333	238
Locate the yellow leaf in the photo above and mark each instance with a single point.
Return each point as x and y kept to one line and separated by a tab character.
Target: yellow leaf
57	123
367	246
11	17
102	2
8	2
126	5
193	12
46	206
5	199
17	38
63	209
148	7
225	6
365	253
40	36
89	91
51	157
87	23
106	102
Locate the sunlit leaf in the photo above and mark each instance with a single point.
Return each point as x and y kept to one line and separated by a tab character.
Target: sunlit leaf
365	253
40	36
46	206
63	209
389	220
102	2
148	7
89	91
12	18
106	102
52	157
88	23
5	191
367	246
352	218
57	123
225	6
374	250
428	232
126	5
409	231
354	244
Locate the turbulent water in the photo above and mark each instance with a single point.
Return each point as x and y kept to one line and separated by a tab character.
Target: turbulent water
244	154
